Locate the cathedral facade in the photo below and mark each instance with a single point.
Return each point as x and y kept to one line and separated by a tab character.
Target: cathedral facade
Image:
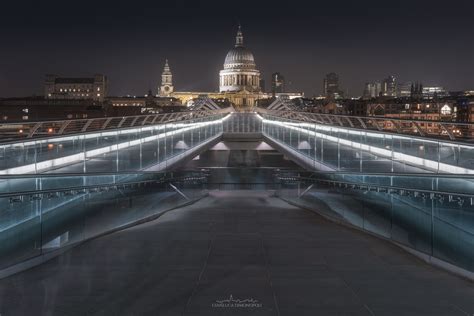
239	80
240	72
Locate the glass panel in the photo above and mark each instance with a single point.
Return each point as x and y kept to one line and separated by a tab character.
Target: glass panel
410	209
39	222
453	238
20	230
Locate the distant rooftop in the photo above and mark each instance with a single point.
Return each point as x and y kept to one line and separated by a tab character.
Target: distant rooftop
74	80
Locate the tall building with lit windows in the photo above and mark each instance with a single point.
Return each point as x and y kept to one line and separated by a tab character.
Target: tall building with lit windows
389	87
434	92
372	90
331	86
278	83
94	88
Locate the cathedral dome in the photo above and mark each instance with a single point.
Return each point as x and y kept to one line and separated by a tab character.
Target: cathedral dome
239	73
239	56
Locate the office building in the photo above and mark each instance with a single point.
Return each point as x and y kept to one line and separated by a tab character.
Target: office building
331	88
389	87
278	83
92	88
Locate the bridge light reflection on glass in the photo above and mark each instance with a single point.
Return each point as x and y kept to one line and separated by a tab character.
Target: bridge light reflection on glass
162	131
323	132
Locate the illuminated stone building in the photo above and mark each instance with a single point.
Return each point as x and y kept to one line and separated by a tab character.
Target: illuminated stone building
240	72
94	88
166	87
239	80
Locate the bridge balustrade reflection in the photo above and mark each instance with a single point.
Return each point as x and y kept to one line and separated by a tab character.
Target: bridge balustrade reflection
43	214
327	147
431	214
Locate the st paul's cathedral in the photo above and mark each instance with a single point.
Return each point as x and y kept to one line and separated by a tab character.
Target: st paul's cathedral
239	80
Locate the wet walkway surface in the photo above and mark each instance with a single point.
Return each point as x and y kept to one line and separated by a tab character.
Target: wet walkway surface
236	253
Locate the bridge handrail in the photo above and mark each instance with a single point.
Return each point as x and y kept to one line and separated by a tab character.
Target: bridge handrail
454	131
14	131
393	189
165	177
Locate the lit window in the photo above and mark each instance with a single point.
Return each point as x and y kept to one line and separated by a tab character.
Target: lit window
24	117
98	94
61	90
446	110
98	88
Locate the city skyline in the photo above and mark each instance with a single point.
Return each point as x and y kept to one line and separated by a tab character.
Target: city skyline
359	43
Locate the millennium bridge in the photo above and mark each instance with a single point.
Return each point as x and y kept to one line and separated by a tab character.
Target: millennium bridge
216	211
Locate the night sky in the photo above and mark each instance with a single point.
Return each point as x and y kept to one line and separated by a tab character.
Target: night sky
427	41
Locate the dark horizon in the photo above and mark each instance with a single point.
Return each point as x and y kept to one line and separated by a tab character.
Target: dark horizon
365	41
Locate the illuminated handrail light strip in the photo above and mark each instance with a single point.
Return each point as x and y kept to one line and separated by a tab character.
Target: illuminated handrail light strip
43	165
30	128
89	135
367	119
373	134
412	160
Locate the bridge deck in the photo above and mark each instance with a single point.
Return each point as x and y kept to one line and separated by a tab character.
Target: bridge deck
245	244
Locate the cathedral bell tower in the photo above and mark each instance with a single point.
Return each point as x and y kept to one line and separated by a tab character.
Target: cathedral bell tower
166	87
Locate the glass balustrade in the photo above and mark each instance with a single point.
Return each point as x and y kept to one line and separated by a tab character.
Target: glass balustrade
350	149
242	123
116	150
43	214
405	202
433	214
